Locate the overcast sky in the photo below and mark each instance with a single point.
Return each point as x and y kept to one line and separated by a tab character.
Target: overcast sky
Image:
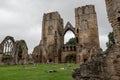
22	19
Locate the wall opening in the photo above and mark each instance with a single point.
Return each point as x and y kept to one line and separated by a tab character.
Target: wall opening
70	58
8	47
118	19
118	11
69	34
77	30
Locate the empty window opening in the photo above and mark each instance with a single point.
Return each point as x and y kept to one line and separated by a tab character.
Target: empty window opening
118	19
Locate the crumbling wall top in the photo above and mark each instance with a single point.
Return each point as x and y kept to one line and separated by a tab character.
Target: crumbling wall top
52	15
88	9
22	42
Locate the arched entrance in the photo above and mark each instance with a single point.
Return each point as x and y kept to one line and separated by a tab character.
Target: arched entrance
69	50
70	59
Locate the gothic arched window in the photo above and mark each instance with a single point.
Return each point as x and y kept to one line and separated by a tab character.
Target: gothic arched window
8	47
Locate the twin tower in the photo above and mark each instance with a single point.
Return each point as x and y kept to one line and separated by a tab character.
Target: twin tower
52	48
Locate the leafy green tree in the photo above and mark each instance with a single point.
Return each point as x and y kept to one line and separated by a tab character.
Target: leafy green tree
72	41
111	40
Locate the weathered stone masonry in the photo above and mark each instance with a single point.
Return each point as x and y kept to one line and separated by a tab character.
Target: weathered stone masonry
52	48
105	65
13	52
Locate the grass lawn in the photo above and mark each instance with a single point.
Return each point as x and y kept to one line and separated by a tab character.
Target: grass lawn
39	72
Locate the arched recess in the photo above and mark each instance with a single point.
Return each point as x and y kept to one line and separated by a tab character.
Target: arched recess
21	49
21	52
70	58
8	45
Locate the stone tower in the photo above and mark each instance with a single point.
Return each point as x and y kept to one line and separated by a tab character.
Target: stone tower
86	26
86	30
113	9
52	28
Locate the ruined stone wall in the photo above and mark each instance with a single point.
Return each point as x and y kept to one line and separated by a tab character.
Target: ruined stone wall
93	70
7	54
37	54
113	58
21	52
52	34
86	32
105	65
113	9
9	49
113	62
86	26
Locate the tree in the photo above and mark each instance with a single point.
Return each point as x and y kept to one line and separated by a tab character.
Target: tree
111	40
72	41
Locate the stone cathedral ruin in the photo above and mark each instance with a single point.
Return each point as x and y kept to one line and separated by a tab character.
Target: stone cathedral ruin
13	52
94	63
52	48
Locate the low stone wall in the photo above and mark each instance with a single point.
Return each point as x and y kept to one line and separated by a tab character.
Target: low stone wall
104	66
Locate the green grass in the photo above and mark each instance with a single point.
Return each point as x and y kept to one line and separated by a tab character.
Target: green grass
30	72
